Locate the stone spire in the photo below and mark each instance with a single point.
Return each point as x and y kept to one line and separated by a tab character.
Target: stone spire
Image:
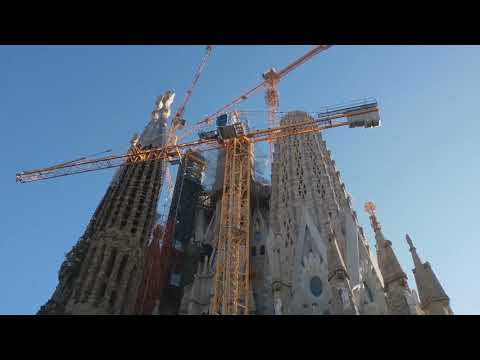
103	272
342	297
433	298
399	297
155	132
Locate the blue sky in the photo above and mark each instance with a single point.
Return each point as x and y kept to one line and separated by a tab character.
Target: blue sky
421	167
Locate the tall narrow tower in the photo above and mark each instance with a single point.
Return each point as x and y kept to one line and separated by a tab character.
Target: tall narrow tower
102	273
307	194
399	296
432	296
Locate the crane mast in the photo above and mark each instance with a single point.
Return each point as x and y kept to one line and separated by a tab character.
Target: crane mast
231	281
231	288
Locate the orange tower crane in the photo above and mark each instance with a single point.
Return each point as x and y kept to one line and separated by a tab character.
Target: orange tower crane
272	78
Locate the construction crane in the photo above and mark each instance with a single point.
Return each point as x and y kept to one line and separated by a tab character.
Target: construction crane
232	273
181	108
271	79
172	153
178	122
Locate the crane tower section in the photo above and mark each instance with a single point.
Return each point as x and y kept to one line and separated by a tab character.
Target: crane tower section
311	205
231	283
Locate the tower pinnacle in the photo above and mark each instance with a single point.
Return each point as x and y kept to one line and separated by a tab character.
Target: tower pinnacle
432	296
399	297
156	130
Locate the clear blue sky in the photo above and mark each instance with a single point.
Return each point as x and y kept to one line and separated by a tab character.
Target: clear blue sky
421	167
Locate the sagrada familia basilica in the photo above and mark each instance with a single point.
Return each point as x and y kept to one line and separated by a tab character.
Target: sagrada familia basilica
308	253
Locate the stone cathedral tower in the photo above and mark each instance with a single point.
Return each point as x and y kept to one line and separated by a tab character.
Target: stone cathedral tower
102	272
320	262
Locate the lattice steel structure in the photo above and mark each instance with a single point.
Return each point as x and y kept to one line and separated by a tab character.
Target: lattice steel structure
231	283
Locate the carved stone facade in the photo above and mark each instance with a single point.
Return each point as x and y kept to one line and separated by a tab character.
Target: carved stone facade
293	222
108	262
309	254
309	199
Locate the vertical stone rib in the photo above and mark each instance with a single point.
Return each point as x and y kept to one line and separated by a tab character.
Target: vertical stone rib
122	279
83	272
99	275
111	282
104	275
93	274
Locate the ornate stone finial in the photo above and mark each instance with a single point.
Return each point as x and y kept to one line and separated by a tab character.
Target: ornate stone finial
162	106
433	298
409	241
168	99
135	140
413	250
370	208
